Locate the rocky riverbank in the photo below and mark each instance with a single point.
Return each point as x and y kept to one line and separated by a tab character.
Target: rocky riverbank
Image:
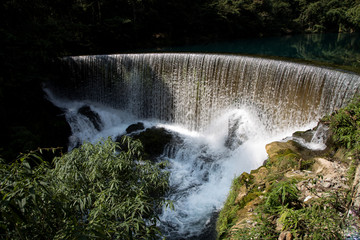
298	193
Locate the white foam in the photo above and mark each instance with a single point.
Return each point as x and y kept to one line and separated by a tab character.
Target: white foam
202	168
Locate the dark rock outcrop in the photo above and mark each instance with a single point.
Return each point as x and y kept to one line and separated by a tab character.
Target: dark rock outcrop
135	127
154	140
92	116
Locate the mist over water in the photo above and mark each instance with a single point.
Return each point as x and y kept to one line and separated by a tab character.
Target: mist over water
223	109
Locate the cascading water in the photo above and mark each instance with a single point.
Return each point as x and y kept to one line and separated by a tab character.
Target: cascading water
224	108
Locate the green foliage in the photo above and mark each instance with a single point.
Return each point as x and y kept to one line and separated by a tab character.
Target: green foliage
321	219
264	231
353	15
284	193
323	15
29	209
345	125
306	164
228	215
248	198
286	159
280	196
95	191
318	221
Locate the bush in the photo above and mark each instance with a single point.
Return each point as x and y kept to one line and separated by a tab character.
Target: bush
318	221
284	193
345	125
322	219
95	191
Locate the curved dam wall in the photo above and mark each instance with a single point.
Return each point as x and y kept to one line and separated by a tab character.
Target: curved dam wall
193	89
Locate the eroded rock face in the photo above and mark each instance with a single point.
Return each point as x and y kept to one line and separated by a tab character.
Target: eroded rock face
306	135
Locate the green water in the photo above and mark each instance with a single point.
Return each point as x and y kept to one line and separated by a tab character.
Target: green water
340	49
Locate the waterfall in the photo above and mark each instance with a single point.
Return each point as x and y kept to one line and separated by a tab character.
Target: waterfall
225	108
192	89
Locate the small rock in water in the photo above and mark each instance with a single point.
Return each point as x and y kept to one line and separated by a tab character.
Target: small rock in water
135	127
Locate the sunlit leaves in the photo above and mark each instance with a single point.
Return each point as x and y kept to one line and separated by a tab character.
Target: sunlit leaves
353	15
103	190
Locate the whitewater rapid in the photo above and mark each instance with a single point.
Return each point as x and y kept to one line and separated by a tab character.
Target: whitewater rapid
202	164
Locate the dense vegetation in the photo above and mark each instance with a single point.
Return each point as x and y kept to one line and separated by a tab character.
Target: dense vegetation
281	207
96	191
345	125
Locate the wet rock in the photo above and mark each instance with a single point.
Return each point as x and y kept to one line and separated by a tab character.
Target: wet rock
275	148
154	140
234	138
306	135
319	134
322	134
92	116
135	127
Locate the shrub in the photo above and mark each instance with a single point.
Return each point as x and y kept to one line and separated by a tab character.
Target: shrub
95	191
284	193
318	221
345	125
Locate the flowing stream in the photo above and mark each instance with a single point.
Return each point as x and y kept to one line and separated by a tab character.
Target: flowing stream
223	109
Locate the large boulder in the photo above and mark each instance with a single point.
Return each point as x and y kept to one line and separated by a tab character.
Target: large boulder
275	148
135	127
154	140
318	135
